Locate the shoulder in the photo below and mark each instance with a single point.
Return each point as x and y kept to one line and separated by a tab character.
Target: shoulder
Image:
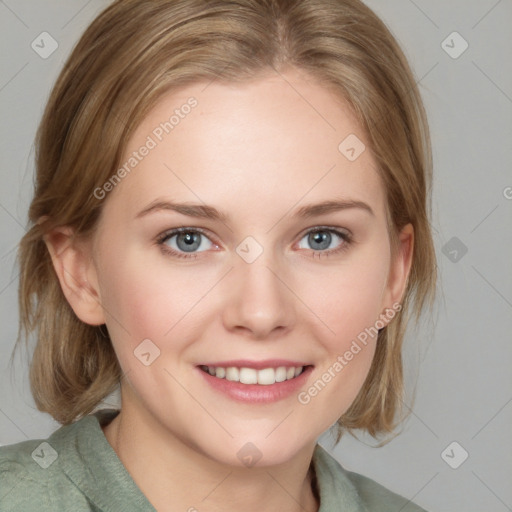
24	481
377	497
354	491
32	475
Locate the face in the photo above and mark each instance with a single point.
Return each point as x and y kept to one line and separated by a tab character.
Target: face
245	237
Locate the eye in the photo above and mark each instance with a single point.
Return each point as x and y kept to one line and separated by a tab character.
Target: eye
326	240
185	242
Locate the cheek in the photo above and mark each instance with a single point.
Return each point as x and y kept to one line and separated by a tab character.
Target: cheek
350	305
351	299
149	301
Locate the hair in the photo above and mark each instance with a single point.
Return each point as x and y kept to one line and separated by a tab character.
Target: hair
132	54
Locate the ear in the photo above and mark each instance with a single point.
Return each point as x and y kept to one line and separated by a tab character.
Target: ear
74	266
400	267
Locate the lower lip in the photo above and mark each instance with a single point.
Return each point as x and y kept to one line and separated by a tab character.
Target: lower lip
257	393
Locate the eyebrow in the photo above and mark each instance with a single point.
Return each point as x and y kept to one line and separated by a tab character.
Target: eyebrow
204	211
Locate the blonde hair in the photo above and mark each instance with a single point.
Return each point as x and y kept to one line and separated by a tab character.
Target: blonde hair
132	54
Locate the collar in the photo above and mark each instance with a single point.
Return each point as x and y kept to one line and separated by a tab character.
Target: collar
336	490
93	458
95	469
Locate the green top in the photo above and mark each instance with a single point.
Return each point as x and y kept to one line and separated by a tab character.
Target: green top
77	469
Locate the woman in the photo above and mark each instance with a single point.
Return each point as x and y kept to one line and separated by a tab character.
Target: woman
230	222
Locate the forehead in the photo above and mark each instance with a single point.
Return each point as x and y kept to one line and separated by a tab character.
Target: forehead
267	142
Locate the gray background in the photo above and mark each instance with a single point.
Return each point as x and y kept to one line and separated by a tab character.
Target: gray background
460	362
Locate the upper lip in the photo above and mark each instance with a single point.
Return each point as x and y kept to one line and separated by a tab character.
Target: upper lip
257	365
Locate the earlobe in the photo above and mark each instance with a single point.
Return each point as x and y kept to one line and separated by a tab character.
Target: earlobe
75	270
400	266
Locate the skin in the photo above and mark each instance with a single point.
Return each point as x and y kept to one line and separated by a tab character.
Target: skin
257	151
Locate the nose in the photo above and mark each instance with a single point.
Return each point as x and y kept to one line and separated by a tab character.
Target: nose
259	301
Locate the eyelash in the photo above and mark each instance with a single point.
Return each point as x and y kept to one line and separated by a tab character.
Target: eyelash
346	237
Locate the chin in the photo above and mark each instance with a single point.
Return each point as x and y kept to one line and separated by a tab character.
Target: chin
260	450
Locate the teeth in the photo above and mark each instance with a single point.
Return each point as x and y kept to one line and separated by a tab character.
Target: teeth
280	374
264	377
232	373
248	376
267	376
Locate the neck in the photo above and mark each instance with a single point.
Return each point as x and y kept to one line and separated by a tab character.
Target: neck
174	475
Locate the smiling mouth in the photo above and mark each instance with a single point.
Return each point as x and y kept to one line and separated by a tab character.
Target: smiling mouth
263	376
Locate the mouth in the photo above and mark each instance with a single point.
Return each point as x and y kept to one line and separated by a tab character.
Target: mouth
256	382
263	375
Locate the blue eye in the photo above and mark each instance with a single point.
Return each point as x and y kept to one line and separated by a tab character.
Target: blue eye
321	239
185	240
189	242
